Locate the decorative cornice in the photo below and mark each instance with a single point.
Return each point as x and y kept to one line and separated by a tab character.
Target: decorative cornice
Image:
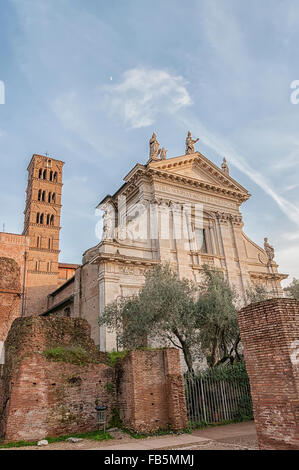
267	275
118	258
225	217
34	248
32	271
194	183
43	226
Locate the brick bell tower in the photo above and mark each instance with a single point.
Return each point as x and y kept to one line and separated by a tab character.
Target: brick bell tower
42	226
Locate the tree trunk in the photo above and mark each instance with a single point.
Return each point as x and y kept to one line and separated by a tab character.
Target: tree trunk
188	359
186	352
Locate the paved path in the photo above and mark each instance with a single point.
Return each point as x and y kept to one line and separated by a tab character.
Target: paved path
238	436
162	442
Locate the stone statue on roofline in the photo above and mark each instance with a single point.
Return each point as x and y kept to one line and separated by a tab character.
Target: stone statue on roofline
108	223
154	148
163	153
269	250
190	143
225	167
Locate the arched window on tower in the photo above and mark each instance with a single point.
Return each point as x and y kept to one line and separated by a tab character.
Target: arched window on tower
38	218
54	197
38	242
45	174
50	244
43	195
52	220
41	219
48	219
49	197
40	173
51	175
39	195
55	177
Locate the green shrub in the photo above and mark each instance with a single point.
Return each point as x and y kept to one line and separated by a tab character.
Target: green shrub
72	354
115	356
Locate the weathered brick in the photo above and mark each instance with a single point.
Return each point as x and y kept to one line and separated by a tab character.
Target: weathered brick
154	380
270	336
39	397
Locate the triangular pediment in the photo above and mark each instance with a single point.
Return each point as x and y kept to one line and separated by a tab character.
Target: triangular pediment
193	171
197	167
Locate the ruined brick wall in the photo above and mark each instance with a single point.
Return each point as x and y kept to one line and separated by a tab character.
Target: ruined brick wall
13	248
40	397
10	294
151	391
270	336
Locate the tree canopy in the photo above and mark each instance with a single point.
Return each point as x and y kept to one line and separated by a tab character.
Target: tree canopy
217	319
163	312
293	289
173	311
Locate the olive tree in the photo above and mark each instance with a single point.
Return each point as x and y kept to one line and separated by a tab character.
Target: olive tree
164	311
217	319
293	289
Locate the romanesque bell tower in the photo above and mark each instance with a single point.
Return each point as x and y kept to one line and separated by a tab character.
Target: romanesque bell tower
42	226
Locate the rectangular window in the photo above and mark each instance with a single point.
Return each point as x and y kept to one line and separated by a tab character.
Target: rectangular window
200	235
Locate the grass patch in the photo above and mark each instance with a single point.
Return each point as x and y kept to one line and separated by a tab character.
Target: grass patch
18	444
93	435
73	354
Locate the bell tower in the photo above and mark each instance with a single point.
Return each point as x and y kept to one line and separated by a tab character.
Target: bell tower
42	226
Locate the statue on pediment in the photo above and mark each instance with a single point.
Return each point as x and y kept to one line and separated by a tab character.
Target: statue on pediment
163	153
225	167
154	148
190	143
269	250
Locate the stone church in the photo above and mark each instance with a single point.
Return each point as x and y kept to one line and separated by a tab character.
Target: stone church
184	210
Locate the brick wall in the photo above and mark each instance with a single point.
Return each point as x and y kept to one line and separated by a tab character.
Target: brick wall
270	336
40	397
10	294
154	380
12	265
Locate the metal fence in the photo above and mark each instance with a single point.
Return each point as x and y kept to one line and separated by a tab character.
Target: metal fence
213	400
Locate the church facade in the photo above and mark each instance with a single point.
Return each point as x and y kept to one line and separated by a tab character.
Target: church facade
183	210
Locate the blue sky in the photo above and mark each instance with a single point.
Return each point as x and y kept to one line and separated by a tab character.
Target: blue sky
88	82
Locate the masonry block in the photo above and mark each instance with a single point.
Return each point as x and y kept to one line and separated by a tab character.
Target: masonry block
270	336
151	391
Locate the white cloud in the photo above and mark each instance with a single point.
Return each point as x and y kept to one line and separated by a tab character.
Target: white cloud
145	93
